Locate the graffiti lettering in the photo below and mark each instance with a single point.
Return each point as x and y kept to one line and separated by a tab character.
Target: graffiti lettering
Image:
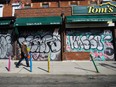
94	43
43	43
85	43
5	45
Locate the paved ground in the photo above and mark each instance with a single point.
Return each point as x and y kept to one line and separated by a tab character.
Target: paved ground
61	68
21	80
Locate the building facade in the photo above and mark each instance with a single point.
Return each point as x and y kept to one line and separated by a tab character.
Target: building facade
90	29
64	28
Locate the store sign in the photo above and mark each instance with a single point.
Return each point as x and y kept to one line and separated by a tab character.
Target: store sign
33	23
43	23
106	8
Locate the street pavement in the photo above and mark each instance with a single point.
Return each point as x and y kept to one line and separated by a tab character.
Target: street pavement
60	68
57	81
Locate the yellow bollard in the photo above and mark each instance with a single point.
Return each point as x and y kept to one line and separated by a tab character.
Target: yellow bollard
49	62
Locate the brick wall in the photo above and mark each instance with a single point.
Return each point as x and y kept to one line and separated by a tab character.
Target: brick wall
23	1
54	4
35	5
43	12
64	4
84	3
7	10
37	12
76	56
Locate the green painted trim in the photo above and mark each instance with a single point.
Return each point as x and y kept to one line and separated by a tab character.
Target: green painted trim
93	18
5	22
34	21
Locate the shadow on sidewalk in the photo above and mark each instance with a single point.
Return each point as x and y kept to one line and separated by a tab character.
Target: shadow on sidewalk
7	68
42	69
85	69
108	66
26	69
114	63
20	64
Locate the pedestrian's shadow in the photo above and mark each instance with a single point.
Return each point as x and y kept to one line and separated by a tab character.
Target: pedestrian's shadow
85	69
42	69
26	69
20	64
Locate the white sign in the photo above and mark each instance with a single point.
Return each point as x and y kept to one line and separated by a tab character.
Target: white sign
1	10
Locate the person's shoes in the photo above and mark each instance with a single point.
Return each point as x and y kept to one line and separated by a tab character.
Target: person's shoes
28	66
17	66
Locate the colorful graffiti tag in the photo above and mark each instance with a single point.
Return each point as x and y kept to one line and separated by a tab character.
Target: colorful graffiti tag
43	42
99	44
5	45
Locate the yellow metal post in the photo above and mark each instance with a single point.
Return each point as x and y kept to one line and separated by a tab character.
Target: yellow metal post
49	62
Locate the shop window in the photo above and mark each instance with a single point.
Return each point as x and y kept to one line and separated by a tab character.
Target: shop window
1	10
104	1
4	1
73	3
16	1
45	4
7	1
93	2
27	5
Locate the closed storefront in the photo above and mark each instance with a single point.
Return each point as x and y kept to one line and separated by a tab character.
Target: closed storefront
97	41
42	35
5	43
6	48
90	30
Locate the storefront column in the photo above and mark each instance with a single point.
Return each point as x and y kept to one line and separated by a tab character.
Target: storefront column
62	35
115	39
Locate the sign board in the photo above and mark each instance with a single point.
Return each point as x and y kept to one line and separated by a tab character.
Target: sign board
105	8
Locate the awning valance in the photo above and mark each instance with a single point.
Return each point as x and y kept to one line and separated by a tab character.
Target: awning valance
33	21
92	18
5	22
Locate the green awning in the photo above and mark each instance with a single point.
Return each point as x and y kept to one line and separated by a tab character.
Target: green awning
88	18
5	22
33	21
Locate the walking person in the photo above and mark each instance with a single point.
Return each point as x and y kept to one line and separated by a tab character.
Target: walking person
24	54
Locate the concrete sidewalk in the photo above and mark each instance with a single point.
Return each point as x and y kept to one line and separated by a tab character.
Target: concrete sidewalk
61	68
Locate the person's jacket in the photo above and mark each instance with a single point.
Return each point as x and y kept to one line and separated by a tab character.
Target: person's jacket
24	50
23	47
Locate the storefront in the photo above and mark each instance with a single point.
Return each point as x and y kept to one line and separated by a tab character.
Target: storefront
42	35
90	30
6	27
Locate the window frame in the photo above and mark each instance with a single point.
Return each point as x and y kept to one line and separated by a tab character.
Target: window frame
45	4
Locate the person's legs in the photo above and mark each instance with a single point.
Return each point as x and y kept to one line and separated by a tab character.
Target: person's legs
17	65
27	61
